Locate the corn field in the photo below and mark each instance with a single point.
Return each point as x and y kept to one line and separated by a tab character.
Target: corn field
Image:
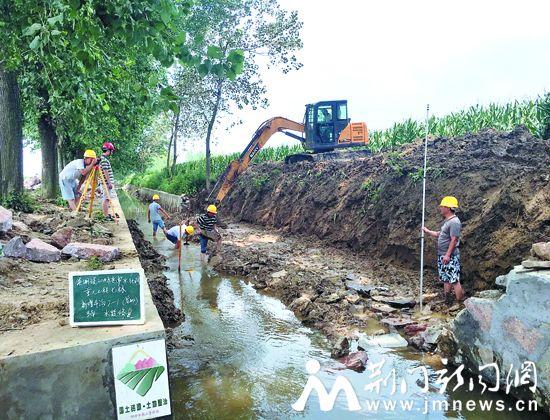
189	177
534	114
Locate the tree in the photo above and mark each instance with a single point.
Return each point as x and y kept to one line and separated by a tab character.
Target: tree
267	35
11	134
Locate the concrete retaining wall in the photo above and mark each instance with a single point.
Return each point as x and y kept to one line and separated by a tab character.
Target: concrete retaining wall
170	202
52	371
507	330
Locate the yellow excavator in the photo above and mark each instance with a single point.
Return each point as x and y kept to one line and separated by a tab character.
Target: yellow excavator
326	127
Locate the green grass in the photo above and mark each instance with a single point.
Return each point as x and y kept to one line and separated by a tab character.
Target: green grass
189	177
20	201
94	263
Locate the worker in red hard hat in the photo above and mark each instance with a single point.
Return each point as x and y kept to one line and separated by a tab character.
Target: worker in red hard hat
108	150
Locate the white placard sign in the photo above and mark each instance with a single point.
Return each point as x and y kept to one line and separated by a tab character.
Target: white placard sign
141	380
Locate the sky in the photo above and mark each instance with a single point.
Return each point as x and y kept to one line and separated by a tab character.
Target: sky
390	58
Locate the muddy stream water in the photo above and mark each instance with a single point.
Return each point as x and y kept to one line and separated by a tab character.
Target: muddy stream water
241	354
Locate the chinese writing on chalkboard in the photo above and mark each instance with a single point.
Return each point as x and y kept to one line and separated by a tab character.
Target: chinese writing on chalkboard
106	296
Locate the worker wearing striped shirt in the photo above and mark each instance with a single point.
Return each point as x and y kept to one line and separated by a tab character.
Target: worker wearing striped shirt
108	150
207	224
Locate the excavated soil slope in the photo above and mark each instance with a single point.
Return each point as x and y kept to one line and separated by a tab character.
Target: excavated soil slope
373	205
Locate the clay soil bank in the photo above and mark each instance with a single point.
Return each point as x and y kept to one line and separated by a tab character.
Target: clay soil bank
371	207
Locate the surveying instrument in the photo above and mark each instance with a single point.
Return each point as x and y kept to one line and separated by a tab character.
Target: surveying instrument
91	182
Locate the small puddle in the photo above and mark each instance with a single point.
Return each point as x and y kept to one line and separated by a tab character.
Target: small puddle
248	354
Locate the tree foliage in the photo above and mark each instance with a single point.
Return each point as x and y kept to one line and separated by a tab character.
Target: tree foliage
96	70
268	37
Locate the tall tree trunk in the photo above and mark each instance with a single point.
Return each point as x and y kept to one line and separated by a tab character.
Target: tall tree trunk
175	138
169	150
48	144
209	132
11	134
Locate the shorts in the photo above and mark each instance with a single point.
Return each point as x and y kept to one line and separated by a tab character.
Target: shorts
449	273
172	238
69	188
157	224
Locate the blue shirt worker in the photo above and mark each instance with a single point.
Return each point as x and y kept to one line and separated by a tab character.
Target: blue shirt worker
178	232
153	215
448	253
207	224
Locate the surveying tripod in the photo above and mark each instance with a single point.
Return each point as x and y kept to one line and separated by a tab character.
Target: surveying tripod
91	182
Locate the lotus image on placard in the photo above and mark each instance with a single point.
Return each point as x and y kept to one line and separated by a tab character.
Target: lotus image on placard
140	372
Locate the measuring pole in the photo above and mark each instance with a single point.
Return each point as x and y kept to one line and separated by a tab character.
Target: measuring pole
179	251
424	205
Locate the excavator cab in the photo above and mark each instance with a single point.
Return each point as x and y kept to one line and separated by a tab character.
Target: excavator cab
327	127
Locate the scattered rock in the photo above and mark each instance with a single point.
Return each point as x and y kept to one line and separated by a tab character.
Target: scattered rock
6	220
62	322
85	251
428	297
357	309
414	329
77	222
340	348
355	361
279	274
40	251
21	227
381	307
353	299
397	321
15	248
541	250
490	294
98	230
535	264
396	302
301	306
391	340
362	289
427	340
62	237
332	298
351	277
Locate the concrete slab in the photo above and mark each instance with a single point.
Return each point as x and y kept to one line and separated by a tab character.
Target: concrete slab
49	370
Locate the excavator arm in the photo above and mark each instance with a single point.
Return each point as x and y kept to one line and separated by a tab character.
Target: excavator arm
260	138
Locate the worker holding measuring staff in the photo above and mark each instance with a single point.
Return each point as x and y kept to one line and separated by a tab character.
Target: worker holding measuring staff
72	176
448	254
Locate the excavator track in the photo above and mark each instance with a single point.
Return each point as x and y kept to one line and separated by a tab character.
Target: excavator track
333	155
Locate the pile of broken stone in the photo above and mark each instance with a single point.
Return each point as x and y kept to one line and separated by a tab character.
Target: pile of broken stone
540	256
60	243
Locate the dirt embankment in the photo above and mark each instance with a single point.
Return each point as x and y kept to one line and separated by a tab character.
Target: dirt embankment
153	265
372	206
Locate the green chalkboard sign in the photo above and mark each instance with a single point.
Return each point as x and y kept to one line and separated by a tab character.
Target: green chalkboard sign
107	297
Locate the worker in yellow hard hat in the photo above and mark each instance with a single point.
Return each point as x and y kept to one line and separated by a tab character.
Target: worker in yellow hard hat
73	174
448	253
178	232
153	215
208	229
